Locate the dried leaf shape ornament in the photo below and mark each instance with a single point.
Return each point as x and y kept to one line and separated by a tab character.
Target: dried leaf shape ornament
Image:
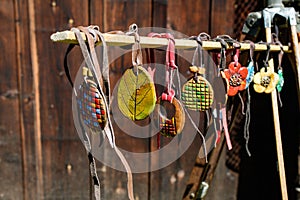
266	79
197	93
235	76
169	112
136	90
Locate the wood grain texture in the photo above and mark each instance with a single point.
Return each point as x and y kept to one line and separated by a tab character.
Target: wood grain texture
61	146
191	21
49	160
224	182
10	146
188	17
222	17
118	15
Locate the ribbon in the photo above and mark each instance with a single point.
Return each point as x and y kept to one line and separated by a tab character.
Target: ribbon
101	78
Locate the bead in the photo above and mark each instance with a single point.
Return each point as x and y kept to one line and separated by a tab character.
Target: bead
193	69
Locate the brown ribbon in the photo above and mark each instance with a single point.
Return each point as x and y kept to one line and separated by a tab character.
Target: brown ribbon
91	61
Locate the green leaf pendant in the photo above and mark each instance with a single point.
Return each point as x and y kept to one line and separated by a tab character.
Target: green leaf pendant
136	93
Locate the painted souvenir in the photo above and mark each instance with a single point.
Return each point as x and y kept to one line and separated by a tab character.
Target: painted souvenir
170	116
169	113
197	93
90	103
136	93
265	80
235	76
136	90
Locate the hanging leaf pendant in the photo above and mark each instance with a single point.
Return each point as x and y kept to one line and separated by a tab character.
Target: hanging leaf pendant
136	93
197	94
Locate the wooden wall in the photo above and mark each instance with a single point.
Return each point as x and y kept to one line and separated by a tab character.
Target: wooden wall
41	155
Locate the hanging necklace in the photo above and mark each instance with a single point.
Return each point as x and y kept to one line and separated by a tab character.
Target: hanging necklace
136	90
265	80
197	93
169	112
90	98
235	75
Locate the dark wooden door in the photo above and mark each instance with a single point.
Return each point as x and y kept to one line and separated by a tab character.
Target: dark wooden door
42	156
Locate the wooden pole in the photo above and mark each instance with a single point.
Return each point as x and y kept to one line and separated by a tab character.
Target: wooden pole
277	128
147	42
296	52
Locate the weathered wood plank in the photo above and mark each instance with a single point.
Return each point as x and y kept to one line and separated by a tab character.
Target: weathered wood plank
118	15
170	182
220	10
224	183
10	146
159	13
188	17
37	113
61	146
159	19
27	103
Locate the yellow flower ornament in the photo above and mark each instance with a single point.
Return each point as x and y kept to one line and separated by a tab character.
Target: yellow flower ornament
265	80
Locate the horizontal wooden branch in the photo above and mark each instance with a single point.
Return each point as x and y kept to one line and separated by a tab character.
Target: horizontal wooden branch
148	42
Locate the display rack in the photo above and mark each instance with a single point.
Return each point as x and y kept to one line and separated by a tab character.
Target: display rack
148	42
121	39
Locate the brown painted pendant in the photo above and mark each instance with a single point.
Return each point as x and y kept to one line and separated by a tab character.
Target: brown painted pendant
170	117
